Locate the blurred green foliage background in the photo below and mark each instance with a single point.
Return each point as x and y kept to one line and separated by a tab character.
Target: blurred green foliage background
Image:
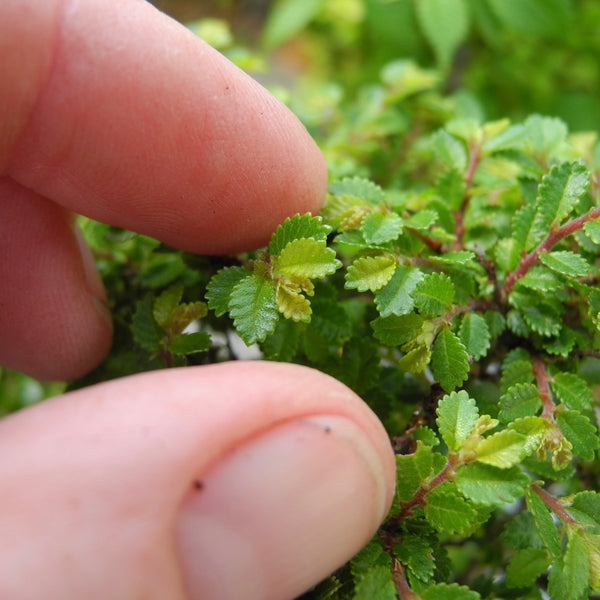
490	58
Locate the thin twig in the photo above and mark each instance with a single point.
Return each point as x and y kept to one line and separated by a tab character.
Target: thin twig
554	505
555	235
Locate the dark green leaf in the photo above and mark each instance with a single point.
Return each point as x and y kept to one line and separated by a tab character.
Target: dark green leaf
449	360
586	506
397	330
166	303
447	511
521	400
475	335
579	431
434	294
560	192
253	308
219	288
415	552
449	591
376	584
298	227
190	343
543	522
525	566
572	391
412	470
394	298
570	577
144	327
485	484
566	263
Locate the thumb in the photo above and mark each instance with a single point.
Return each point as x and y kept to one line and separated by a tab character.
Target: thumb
251	480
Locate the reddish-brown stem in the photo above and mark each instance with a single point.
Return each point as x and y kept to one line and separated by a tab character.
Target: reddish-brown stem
541	377
431	243
404	592
419	496
459	228
555	235
553	504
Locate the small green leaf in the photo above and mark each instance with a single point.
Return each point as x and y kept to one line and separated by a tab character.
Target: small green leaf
379	228
527	233
475	335
587	507
253	308
305	258
445	24
299	226
144	327
447	511
416	553
219	288
592	230
292	303
426	435
185	314
397	330
540	279
190	343
566	263
456	417
371	555
370	272
415	360
572	391
560	192
422	220
376	584
533	428
166	303
525	566
521	400
358	187
282	344
570	579
449	591
434	294
495	321
503	449
287	18
394	298
515	371
411	470
489	485
449	360
543	522
579	431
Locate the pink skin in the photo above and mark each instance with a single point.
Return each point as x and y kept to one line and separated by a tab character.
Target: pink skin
112	110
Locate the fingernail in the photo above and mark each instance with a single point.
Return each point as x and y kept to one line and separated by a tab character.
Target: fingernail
282	511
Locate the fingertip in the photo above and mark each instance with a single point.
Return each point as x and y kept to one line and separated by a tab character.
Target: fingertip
54	322
139	123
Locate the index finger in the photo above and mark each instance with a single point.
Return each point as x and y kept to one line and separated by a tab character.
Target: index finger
123	115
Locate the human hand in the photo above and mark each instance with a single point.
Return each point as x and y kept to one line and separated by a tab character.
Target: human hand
250	480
